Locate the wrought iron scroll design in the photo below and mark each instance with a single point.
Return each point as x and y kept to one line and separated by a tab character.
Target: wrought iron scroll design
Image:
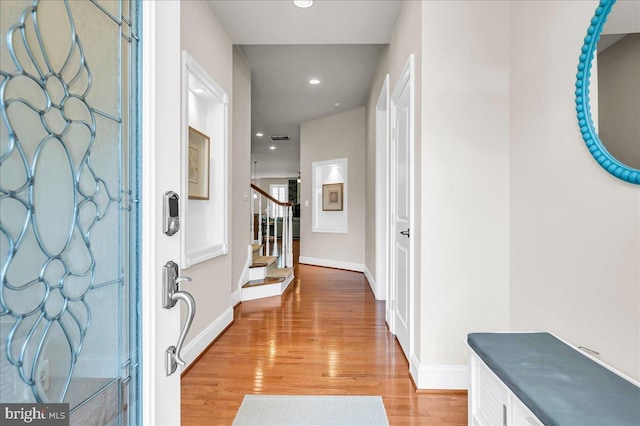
61	297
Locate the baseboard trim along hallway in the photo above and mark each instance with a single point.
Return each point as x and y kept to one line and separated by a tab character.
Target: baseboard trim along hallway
330	263
370	280
439	376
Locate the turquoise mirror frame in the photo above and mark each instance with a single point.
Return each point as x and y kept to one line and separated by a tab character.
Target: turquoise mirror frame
583	108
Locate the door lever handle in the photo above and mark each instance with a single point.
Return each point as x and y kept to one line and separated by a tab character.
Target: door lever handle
191	312
180	279
172	294
405	233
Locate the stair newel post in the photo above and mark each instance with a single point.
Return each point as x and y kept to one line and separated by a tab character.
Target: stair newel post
275	225
285	234
253	208
285	240
260	219
268	228
290	235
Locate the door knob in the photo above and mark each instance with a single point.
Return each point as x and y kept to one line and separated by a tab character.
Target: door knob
405	233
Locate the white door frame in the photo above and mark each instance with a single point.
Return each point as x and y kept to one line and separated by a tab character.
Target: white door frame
160	101
382	198
406	78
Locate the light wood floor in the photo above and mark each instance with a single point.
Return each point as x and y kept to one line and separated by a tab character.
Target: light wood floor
325	336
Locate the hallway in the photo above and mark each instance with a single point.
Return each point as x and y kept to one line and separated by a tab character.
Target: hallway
325	336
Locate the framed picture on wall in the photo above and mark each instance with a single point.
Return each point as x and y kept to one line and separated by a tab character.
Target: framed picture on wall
332	196
198	165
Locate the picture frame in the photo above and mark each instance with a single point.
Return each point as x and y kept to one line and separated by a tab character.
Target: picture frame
332	197
198	165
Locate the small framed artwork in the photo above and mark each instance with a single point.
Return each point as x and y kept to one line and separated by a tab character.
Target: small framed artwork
198	165
332	197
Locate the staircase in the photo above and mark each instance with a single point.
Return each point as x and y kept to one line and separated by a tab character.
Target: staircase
271	269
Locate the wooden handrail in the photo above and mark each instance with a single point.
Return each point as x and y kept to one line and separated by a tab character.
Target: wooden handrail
270	198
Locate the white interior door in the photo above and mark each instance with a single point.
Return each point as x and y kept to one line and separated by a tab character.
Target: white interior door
161	173
402	134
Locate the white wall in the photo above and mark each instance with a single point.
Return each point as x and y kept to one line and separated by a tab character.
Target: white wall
405	40
465	176
241	161
212	281
575	229
370	158
265	183
338	136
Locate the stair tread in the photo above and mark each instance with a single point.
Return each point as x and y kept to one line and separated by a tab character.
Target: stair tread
280	272
263	261
256	247
265	281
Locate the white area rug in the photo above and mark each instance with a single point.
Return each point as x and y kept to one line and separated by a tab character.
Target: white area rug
287	410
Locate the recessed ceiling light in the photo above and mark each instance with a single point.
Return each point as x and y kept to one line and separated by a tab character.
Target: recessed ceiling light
198	90
303	3
272	147
314	81
337	104
259	134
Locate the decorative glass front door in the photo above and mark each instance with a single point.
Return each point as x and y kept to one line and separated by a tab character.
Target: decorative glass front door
69	327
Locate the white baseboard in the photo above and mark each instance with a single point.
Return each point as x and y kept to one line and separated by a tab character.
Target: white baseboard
372	282
439	376
236	297
208	335
358	267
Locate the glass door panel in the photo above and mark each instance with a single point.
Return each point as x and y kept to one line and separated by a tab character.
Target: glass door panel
68	207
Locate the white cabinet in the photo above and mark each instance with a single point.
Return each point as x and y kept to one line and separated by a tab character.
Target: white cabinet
491	402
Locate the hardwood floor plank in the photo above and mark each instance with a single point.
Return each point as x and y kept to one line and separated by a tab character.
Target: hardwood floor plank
325	336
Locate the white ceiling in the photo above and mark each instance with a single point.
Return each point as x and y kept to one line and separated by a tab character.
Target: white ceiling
282	97
326	22
337	42
623	19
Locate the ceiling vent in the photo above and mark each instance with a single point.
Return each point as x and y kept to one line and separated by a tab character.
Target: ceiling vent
280	138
